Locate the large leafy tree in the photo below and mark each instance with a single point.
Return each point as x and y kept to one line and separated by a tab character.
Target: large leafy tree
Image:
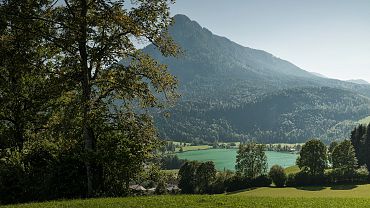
187	177
313	157
26	82
90	38
205	175
278	175
331	148
251	160
344	156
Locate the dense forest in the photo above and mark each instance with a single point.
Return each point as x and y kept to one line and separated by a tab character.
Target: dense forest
234	93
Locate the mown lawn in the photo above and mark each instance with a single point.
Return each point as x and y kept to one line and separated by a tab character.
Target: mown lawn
206	201
338	196
292	169
193	148
340	191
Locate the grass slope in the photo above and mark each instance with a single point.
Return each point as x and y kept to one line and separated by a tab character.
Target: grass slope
292	169
338	191
188	201
193	148
335	196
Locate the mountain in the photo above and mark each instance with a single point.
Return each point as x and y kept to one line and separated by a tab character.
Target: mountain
358	81
318	74
234	93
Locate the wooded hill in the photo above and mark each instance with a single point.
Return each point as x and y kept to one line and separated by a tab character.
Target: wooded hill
231	93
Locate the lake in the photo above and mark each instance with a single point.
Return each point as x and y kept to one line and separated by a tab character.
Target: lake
225	158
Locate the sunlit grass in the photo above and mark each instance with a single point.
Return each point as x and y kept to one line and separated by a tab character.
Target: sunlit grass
209	201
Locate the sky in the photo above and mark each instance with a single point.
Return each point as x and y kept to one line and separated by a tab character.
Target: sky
330	37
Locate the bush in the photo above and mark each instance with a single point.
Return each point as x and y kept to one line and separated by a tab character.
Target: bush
219	184
236	183
12	180
290	181
340	176
362	174
161	188
39	162
278	175
69	175
304	179
261	181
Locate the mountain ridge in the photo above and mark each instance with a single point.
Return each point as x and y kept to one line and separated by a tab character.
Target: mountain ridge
219	78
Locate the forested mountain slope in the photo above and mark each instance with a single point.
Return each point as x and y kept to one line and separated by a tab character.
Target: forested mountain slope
230	92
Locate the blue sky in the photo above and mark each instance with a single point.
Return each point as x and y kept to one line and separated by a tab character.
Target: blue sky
331	37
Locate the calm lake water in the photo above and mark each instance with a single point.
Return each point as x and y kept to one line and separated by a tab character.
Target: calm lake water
225	158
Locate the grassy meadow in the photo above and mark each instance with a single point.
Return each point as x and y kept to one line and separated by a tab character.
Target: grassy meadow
193	148
261	197
337	191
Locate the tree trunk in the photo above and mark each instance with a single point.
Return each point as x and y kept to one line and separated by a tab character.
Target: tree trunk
88	133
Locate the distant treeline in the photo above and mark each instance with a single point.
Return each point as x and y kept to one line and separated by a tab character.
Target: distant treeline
290	116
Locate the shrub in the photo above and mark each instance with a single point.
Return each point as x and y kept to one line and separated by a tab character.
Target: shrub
362	174
237	182
305	179
219	184
261	181
39	162
290	181
339	175
161	188
69	175
12	180
278	175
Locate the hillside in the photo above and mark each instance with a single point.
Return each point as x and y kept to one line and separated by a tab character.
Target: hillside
231	93
358	81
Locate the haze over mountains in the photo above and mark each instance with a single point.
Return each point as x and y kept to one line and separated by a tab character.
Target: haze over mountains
232	93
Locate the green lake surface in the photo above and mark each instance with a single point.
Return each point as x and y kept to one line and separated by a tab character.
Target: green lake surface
225	158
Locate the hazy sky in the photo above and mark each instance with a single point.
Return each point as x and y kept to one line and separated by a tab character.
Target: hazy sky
331	37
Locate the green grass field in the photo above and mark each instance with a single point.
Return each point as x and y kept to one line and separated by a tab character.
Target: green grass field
209	201
193	148
292	169
337	191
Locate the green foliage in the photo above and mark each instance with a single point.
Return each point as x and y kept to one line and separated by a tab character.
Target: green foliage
12	178
161	188
261	181
313	158
251	160
331	148
71	76
195	177
187	179
344	157
205	175
305	179
169	162
278	175
360	139
27	84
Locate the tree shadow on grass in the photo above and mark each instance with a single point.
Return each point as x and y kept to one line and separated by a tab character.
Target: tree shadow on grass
343	187
311	188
